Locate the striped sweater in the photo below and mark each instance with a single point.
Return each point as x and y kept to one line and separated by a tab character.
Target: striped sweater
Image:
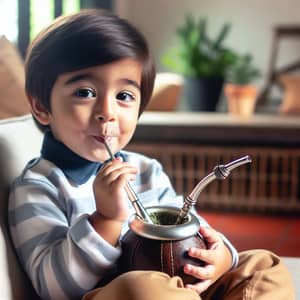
48	218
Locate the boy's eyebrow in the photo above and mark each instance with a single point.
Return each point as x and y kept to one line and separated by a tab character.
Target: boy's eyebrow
86	76
131	82
77	78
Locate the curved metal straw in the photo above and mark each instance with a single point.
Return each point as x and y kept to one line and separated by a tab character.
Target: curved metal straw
219	172
137	205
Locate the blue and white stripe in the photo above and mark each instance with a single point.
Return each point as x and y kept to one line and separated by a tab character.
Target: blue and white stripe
48	216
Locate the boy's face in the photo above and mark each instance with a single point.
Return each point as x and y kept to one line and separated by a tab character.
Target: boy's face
85	103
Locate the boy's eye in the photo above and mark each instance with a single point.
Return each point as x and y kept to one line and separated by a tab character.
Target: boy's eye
85	93
125	96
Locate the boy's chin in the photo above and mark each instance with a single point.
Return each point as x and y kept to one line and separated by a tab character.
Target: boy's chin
98	158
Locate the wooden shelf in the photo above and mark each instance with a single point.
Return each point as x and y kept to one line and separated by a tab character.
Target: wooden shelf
218	128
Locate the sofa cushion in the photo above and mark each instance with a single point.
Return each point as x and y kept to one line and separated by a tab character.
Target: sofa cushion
20	140
13	100
166	93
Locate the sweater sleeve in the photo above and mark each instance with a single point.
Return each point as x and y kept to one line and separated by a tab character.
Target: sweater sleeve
63	260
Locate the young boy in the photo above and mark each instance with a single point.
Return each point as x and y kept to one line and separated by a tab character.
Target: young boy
86	73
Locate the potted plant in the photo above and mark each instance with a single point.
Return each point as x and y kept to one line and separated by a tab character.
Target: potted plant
202	61
239	91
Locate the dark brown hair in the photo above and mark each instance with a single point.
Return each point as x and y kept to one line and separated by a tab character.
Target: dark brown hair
81	40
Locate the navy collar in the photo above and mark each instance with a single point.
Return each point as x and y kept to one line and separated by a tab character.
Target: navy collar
73	166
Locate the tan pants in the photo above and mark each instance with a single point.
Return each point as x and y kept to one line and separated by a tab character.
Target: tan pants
259	275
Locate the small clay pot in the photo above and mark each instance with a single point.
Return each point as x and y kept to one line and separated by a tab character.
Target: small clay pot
161	247
241	99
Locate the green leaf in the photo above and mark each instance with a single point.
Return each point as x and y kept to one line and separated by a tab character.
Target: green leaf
242	71
198	55
222	36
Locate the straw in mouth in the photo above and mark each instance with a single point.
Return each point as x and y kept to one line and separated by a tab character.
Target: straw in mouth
111	130
105	142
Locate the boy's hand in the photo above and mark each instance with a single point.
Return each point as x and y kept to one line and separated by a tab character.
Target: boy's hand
111	199
217	260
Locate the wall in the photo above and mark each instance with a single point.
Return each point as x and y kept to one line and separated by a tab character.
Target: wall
252	22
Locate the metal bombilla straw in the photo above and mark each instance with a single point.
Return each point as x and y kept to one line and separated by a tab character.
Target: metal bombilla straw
219	172
136	203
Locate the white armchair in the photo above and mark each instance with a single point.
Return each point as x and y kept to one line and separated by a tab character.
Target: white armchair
20	140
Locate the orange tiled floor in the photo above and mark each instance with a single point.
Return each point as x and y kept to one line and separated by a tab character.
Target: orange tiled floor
279	234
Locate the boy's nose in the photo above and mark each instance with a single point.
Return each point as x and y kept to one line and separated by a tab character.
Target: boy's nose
105	111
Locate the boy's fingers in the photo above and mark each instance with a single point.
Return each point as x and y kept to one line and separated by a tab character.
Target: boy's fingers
210	235
119	158
199	287
121	175
202	254
206	272
207	232
116	166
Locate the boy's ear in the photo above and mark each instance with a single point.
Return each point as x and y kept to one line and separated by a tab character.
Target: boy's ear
39	111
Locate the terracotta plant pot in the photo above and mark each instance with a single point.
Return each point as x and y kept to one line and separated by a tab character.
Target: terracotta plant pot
161	247
241	99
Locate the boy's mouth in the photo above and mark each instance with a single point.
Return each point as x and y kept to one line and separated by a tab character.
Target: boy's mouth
102	138
109	132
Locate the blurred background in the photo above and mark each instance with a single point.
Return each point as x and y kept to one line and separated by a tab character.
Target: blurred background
252	26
